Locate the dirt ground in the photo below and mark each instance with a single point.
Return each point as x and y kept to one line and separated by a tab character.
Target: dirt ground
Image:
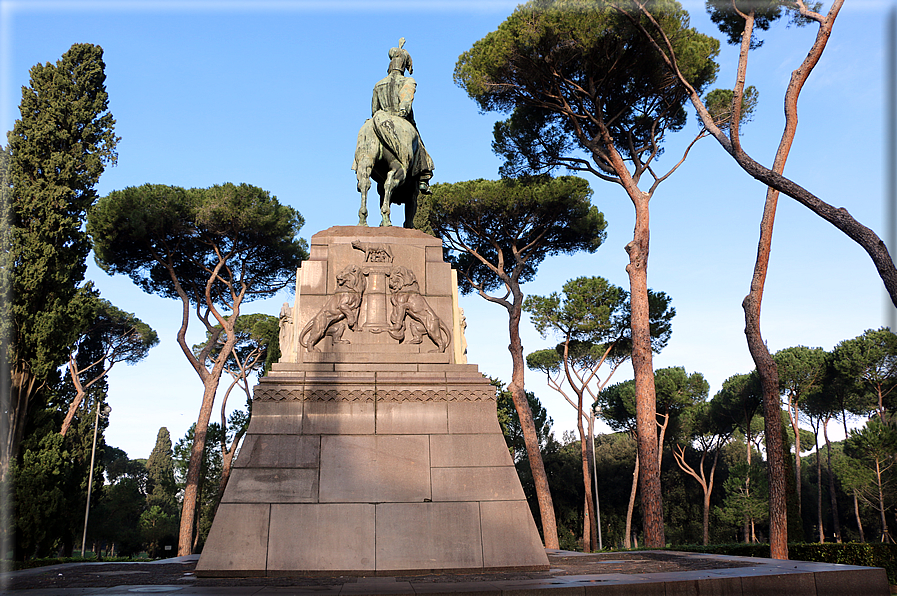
94	575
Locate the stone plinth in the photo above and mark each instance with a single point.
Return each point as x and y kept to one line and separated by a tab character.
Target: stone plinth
373	448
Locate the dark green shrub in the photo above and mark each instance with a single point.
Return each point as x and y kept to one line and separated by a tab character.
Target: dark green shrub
850	553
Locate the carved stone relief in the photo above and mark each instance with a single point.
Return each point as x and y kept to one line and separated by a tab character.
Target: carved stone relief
377	297
374	253
339	311
286	329
407	302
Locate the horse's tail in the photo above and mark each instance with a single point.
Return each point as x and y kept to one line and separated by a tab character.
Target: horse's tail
367	147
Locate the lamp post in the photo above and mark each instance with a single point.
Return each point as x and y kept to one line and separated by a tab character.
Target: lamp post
106	410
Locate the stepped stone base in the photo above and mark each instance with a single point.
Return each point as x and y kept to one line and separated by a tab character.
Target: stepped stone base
374	456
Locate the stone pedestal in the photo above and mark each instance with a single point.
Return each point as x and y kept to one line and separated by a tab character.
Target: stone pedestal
368	453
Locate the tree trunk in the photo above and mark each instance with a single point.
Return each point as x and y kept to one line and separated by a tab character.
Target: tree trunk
22	389
707	493
586	526
79	396
540	478
194	469
627	543
591	456
778	499
836	522
706	517
885	535
642	366
748	522
589	531
856	512
210	380
792	414
819	493
198	517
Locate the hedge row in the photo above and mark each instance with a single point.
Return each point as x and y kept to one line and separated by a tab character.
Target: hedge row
850	553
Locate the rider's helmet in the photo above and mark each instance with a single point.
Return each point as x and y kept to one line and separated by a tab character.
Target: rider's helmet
400	59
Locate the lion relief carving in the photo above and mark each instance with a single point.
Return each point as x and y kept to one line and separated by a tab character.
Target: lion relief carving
339	311
407	302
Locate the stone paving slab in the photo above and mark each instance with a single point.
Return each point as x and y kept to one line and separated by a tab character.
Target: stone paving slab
642	573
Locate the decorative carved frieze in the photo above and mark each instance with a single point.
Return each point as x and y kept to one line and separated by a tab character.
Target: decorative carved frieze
410	395
276	393
484	394
335	394
273	392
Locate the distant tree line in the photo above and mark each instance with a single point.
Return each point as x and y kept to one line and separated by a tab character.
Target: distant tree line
713	455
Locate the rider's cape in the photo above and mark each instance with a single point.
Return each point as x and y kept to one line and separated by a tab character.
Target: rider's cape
399	136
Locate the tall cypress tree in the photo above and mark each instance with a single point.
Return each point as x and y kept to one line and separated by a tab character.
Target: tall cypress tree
57	151
160	485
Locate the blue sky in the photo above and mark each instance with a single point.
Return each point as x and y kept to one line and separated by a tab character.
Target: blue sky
273	93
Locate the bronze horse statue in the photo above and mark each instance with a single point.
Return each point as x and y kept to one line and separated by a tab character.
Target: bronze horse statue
375	161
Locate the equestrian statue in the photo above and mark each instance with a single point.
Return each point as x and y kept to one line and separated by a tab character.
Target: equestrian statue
389	148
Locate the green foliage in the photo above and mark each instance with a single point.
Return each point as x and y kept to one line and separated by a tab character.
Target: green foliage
219	240
729	17
40	490
739	401
117	516
617	406
747	495
594	315
255	335
123	337
614	462
590	308
157	527
571	72
59	148
850	553
801	371
57	151
867	366
498	232
682	503
210	471
161	489
876	441
51	479
509	421
674	388
719	103
46	561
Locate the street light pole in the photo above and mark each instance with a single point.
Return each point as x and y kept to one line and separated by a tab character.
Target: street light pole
93	451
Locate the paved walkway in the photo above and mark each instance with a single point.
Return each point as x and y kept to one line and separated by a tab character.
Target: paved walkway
645	573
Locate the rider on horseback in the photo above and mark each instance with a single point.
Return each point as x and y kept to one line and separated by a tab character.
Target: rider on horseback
393	118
